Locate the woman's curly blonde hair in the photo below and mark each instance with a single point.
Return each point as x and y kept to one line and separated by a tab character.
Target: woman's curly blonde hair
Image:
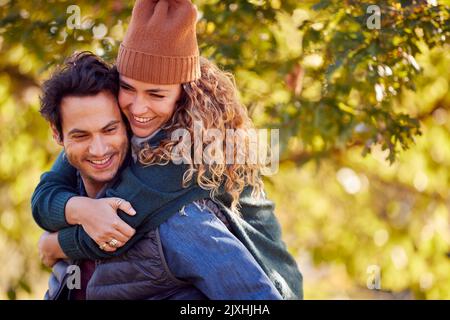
213	101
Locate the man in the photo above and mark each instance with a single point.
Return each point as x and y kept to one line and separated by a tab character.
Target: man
80	103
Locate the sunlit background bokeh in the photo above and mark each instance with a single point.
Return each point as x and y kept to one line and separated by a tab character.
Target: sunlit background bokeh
363	186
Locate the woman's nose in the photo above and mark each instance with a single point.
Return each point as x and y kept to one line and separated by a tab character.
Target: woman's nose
140	106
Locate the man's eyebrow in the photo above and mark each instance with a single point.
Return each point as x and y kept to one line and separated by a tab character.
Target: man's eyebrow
73	131
112	122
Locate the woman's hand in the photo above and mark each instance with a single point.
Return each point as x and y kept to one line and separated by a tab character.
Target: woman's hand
99	219
49	249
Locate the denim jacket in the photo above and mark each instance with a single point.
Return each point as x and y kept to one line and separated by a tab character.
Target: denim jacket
198	258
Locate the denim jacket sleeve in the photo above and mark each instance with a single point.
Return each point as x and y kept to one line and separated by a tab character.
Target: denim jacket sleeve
200	249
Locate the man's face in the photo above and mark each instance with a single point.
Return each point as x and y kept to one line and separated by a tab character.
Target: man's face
94	136
147	106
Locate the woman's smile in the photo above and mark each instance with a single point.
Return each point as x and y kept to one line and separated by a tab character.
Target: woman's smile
143	119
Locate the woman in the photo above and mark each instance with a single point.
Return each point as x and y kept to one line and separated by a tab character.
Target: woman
165	86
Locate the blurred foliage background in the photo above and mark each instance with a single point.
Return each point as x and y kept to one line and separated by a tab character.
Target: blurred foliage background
363	186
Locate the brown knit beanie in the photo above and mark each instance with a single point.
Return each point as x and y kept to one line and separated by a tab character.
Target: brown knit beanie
160	45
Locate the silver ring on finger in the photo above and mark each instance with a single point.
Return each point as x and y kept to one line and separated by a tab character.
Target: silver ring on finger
119	202
103	246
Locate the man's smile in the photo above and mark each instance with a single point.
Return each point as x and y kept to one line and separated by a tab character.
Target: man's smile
101	163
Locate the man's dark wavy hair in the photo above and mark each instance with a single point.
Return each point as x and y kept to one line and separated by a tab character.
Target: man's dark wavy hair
82	74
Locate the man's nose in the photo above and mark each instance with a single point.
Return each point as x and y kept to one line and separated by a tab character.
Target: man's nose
98	147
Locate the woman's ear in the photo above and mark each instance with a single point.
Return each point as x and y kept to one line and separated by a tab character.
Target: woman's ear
56	135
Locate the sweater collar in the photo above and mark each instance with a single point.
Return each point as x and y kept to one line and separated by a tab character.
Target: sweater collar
137	143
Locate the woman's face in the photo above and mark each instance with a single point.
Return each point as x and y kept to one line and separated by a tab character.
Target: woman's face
147	106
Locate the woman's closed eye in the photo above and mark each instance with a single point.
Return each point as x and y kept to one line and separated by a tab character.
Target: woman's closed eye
156	96
125	87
